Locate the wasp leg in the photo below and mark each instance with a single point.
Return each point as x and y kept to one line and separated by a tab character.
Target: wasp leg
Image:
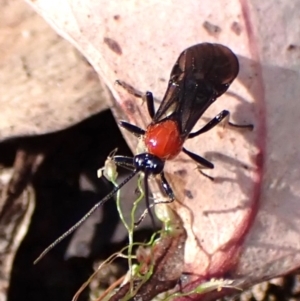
148	207
216	120
200	160
131	90
135	130
147	97
125	162
168	190
204	174
143	215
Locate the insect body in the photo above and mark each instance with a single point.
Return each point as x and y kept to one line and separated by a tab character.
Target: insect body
200	75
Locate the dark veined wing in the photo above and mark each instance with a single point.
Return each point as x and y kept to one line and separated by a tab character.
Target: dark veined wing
202	73
170	102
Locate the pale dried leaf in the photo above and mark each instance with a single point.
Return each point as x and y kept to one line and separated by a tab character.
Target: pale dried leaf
45	84
246	223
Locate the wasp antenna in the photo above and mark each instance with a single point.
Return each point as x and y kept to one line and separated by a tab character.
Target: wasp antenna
73	228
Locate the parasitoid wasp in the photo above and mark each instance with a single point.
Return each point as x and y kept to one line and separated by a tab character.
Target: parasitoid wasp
201	74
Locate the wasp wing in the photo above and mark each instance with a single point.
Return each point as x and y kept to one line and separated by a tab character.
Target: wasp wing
202	73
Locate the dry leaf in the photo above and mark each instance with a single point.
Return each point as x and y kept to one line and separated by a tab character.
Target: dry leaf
45	84
246	224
